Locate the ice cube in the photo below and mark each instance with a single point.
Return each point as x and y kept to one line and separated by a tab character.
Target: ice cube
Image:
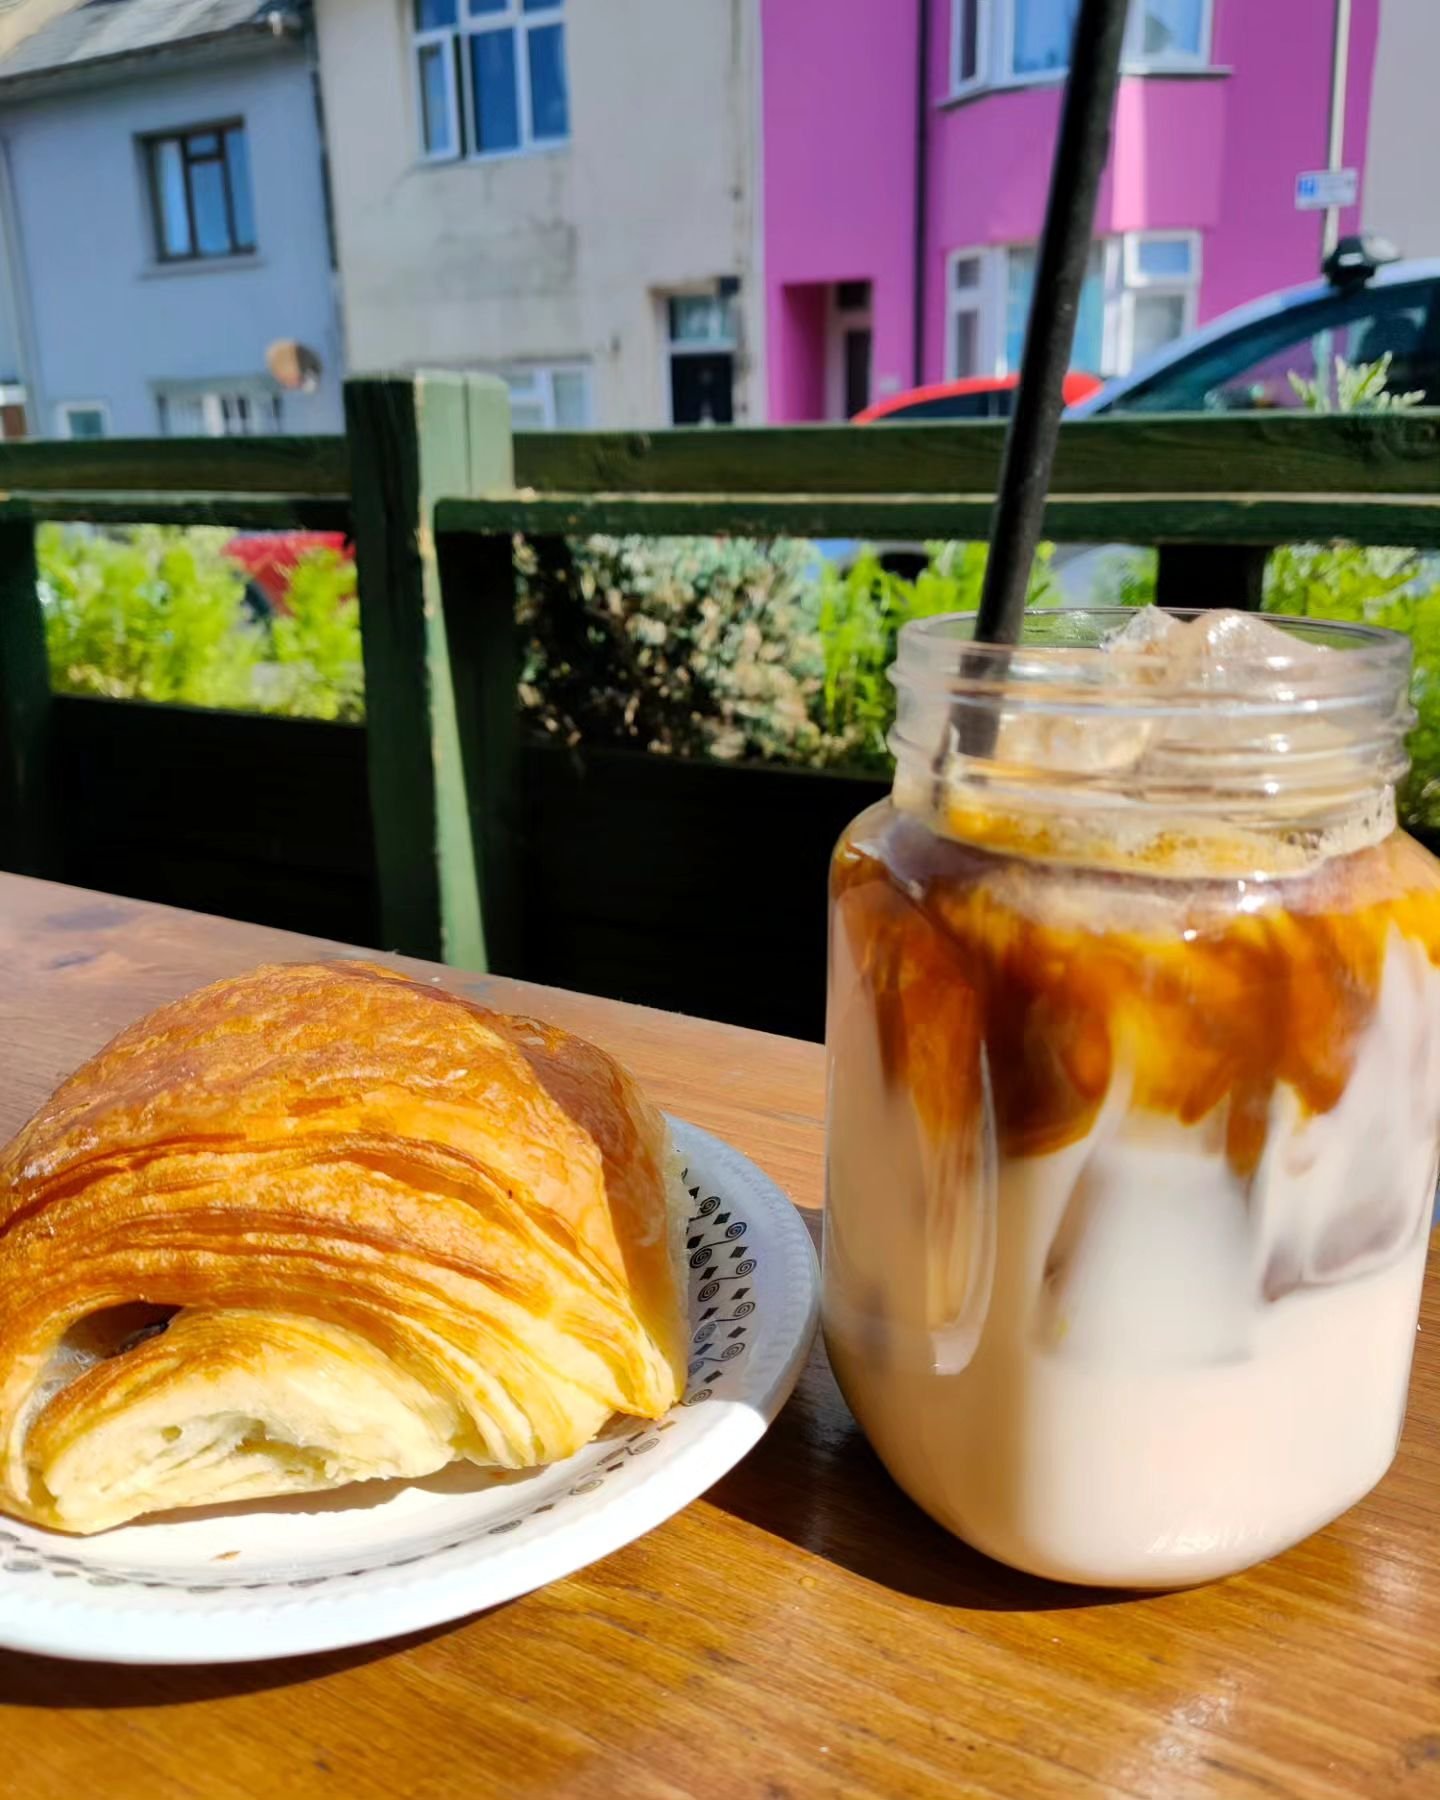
1180	662
1147	628
1088	741
1081	745
1211	650
1340	1194
1238	659
1237	651
1091	741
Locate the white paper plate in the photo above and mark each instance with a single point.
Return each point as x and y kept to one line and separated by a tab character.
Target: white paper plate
284	1578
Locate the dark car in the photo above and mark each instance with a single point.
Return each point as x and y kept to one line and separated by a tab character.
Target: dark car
1243	361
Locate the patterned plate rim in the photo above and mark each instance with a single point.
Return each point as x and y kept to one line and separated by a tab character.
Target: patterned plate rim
311	1615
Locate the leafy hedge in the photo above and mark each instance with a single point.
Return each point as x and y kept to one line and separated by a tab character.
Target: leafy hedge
727	647
158	613
680	646
1359	586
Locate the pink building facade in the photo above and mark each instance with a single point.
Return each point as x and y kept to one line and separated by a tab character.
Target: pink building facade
899	238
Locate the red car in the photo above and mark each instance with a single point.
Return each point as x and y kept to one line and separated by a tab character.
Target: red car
269	558
972	397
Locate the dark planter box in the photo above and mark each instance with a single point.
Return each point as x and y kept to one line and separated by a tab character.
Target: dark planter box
699	887
696	886
256	818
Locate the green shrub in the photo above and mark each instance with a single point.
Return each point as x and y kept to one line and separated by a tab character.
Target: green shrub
682	646
314	666
727	647
1354	583
158	613
1125	578
1362	588
1372	586
859	615
153	615
1318	581
1357	387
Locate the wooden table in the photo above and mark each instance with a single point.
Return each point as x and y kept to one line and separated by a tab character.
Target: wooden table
801	1631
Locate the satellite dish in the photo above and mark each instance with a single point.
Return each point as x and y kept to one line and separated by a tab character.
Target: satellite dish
294	366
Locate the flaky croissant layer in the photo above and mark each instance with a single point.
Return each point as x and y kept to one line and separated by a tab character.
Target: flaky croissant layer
321	1224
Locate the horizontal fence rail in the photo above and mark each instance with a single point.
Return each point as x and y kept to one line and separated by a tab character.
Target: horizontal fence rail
431	485
1386	454
236	465
261	483
1201	479
256	512
1163	518
1194	479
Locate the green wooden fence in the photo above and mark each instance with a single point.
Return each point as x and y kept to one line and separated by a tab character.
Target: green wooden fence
432	486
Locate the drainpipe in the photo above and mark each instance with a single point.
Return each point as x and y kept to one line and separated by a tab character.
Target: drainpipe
337	347
922	182
17	296
1339	78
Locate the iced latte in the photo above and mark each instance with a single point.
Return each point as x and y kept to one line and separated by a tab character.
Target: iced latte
1134	1043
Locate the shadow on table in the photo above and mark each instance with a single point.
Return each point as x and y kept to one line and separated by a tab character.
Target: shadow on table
814	1480
47	1681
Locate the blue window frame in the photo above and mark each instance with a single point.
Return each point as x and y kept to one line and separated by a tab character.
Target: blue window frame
200	199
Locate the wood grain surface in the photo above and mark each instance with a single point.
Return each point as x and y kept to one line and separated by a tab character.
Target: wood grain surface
801	1631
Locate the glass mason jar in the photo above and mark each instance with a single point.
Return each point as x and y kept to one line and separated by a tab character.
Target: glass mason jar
1134	1088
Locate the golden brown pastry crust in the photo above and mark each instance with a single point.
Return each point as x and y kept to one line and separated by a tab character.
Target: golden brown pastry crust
396	1229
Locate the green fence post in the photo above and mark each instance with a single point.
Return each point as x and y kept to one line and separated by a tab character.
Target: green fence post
413	440
477	578
27	824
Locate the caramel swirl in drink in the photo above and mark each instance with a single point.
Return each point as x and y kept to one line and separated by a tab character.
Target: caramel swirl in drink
1214	1014
1132	1137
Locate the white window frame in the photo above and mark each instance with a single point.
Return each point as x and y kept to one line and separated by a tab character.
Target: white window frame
543	375
1134	57
968	84
1122	279
995	49
1133	282
461	84
212	397
999	301
66	407
446	39
1112	307
1007	75
671	347
726	341
1135	276
987	301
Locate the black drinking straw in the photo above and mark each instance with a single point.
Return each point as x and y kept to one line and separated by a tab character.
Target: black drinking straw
1080	154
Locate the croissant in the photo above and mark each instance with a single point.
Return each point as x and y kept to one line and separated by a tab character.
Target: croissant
324	1223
